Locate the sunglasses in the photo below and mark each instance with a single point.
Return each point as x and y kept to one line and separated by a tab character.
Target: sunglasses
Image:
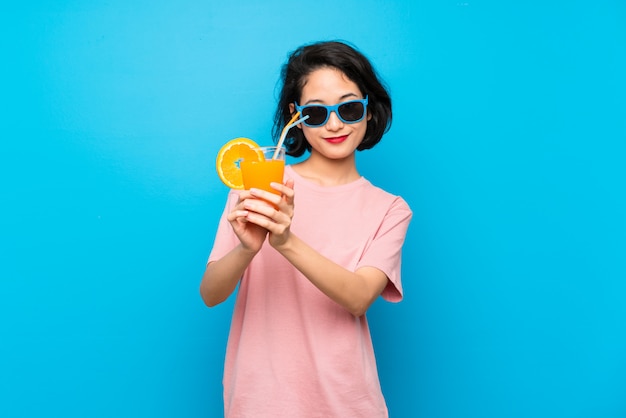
352	111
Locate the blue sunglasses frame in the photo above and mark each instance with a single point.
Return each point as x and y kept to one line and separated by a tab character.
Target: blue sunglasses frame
333	108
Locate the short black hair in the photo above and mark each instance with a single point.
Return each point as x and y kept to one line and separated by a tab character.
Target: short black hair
347	59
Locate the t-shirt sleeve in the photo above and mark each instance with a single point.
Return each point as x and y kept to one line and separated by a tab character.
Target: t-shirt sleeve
225	238
385	250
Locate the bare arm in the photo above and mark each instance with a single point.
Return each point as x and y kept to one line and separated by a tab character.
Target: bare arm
355	291
220	277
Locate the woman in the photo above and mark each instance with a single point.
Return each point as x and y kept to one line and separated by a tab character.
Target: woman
311	261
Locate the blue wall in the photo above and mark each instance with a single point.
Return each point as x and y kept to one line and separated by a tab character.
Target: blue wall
509	143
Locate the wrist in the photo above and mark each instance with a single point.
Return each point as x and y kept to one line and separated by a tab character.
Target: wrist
247	252
285	245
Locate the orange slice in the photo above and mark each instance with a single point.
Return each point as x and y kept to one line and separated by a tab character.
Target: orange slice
229	157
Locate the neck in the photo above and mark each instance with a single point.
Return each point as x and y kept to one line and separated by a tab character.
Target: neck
327	172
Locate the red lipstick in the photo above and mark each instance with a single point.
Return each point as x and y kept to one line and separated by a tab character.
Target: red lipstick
337	139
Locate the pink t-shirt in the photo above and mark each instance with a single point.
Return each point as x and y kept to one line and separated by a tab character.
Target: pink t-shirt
292	351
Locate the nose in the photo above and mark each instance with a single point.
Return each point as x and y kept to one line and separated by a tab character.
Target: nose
333	123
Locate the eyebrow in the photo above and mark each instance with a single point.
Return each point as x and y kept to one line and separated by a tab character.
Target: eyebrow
341	99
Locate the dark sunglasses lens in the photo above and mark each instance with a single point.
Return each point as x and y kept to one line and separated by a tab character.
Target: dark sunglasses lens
351	111
316	114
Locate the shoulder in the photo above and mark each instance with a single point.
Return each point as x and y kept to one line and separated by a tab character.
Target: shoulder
394	202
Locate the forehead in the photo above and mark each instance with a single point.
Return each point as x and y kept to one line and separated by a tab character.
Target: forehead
328	84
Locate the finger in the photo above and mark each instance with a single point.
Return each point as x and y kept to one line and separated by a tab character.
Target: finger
272	198
237	215
260	206
288	191
264	221
284	189
245	194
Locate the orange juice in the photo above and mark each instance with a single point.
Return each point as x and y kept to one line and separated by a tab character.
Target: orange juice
259	174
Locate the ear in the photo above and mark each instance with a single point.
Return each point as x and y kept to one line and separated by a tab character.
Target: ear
292	110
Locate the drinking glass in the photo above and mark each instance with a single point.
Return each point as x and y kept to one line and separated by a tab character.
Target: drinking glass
259	174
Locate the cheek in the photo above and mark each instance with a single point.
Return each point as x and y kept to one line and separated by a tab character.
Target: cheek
363	130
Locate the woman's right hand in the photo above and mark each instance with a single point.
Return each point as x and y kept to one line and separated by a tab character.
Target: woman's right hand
251	236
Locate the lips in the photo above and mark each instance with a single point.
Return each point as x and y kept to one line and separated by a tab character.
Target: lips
336	139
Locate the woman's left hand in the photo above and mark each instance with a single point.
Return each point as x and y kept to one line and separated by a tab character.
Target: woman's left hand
275	217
